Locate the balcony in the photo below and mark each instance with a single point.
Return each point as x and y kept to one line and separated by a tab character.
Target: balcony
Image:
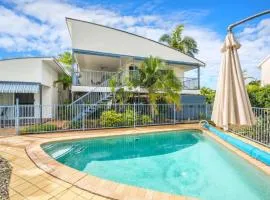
189	83
91	78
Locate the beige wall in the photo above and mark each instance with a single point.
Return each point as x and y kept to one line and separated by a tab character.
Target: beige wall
265	72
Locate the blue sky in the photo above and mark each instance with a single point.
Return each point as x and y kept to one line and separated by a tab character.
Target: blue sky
37	27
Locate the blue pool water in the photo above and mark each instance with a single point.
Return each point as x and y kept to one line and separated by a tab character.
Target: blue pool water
181	162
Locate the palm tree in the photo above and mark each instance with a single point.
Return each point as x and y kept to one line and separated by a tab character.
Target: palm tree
65	80
66	59
159	80
184	44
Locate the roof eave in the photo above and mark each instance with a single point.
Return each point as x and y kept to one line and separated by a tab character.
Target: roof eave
73	19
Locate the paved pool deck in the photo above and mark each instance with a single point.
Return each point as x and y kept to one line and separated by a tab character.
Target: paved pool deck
35	175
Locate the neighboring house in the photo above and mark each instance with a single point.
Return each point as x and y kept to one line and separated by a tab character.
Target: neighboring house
31	82
265	71
101	52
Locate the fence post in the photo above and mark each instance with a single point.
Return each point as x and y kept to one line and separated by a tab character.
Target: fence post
17	117
174	114
134	115
83	116
206	111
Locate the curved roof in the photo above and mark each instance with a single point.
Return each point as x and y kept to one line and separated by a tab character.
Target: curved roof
98	39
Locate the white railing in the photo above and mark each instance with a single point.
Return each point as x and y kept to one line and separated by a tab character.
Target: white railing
94	78
54	118
51	118
189	83
260	132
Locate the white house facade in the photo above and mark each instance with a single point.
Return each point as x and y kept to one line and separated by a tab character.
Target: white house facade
265	71
30	81
101	52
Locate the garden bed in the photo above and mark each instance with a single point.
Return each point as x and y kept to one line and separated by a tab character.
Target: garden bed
5	173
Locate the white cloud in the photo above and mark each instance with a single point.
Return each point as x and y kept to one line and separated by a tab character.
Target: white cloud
39	25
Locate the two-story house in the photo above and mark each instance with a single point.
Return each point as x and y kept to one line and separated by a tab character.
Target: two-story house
101	52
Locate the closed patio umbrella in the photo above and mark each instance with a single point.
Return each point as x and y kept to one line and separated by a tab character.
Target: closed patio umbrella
232	105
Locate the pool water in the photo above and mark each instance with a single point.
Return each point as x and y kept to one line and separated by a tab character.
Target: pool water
178	162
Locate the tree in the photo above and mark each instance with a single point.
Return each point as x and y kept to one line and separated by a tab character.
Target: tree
259	96
184	44
159	80
153	75
64	79
209	94
66	59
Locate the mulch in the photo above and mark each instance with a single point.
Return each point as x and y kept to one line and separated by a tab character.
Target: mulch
5	173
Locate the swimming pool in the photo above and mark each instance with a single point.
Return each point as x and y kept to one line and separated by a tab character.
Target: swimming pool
178	162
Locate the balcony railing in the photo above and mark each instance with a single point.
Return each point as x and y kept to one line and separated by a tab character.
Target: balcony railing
96	78
189	83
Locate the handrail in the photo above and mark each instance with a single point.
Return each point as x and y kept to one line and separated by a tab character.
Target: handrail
96	88
231	26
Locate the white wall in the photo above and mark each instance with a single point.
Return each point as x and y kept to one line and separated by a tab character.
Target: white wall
265	72
87	36
24	70
32	70
49	90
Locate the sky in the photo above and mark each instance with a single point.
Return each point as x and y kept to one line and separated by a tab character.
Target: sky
38	27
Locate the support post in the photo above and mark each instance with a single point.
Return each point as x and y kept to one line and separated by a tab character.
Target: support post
199	78
134	115
17	117
206	111
83	117
40	103
174	114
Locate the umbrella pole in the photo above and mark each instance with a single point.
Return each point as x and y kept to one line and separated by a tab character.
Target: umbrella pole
230	27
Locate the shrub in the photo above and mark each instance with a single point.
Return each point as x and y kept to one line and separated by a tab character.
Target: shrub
75	125
110	118
128	117
145	119
39	128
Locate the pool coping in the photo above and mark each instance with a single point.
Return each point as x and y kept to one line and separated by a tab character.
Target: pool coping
111	189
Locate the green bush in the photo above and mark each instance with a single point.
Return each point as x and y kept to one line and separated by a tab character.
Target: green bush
111	118
39	128
128	118
75	125
145	119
